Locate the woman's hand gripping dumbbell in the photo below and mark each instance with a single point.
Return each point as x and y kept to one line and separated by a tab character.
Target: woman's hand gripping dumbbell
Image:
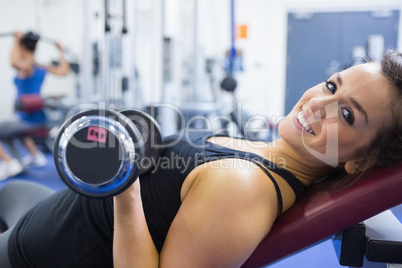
99	153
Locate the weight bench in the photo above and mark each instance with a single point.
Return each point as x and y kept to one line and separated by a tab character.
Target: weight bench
318	216
375	242
28	103
31	103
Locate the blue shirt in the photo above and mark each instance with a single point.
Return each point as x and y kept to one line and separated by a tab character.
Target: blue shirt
31	85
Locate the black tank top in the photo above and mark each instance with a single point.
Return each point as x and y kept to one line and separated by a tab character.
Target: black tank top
185	151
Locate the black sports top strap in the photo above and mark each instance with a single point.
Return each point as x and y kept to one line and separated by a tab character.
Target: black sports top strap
278	190
216	151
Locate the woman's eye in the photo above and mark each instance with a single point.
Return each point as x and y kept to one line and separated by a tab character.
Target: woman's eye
331	86
348	116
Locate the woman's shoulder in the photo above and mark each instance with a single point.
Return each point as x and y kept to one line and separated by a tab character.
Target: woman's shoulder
40	67
230	176
225	204
239	179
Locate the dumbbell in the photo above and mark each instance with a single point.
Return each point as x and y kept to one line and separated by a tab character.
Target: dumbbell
100	153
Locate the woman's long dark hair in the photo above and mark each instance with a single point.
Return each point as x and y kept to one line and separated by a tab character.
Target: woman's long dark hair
29	41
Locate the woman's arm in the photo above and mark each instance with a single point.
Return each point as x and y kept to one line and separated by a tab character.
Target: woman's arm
63	68
132	242
15	55
224	216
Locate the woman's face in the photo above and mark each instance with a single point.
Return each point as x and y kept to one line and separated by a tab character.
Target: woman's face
336	118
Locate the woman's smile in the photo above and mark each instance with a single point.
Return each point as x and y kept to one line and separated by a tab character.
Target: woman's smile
304	122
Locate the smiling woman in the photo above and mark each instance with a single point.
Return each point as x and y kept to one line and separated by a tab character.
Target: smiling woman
334	115
214	210
371	106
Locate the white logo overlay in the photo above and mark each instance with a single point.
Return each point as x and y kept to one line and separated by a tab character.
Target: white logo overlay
330	156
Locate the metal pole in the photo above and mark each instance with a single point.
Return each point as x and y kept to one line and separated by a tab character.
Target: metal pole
86	64
105	58
232	49
196	73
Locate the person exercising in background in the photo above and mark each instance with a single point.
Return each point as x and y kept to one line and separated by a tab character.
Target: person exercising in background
29	80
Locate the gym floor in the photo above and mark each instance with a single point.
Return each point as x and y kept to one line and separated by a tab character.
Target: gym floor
319	255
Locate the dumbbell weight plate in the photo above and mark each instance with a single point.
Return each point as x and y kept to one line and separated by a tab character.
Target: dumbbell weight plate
151	135
96	151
